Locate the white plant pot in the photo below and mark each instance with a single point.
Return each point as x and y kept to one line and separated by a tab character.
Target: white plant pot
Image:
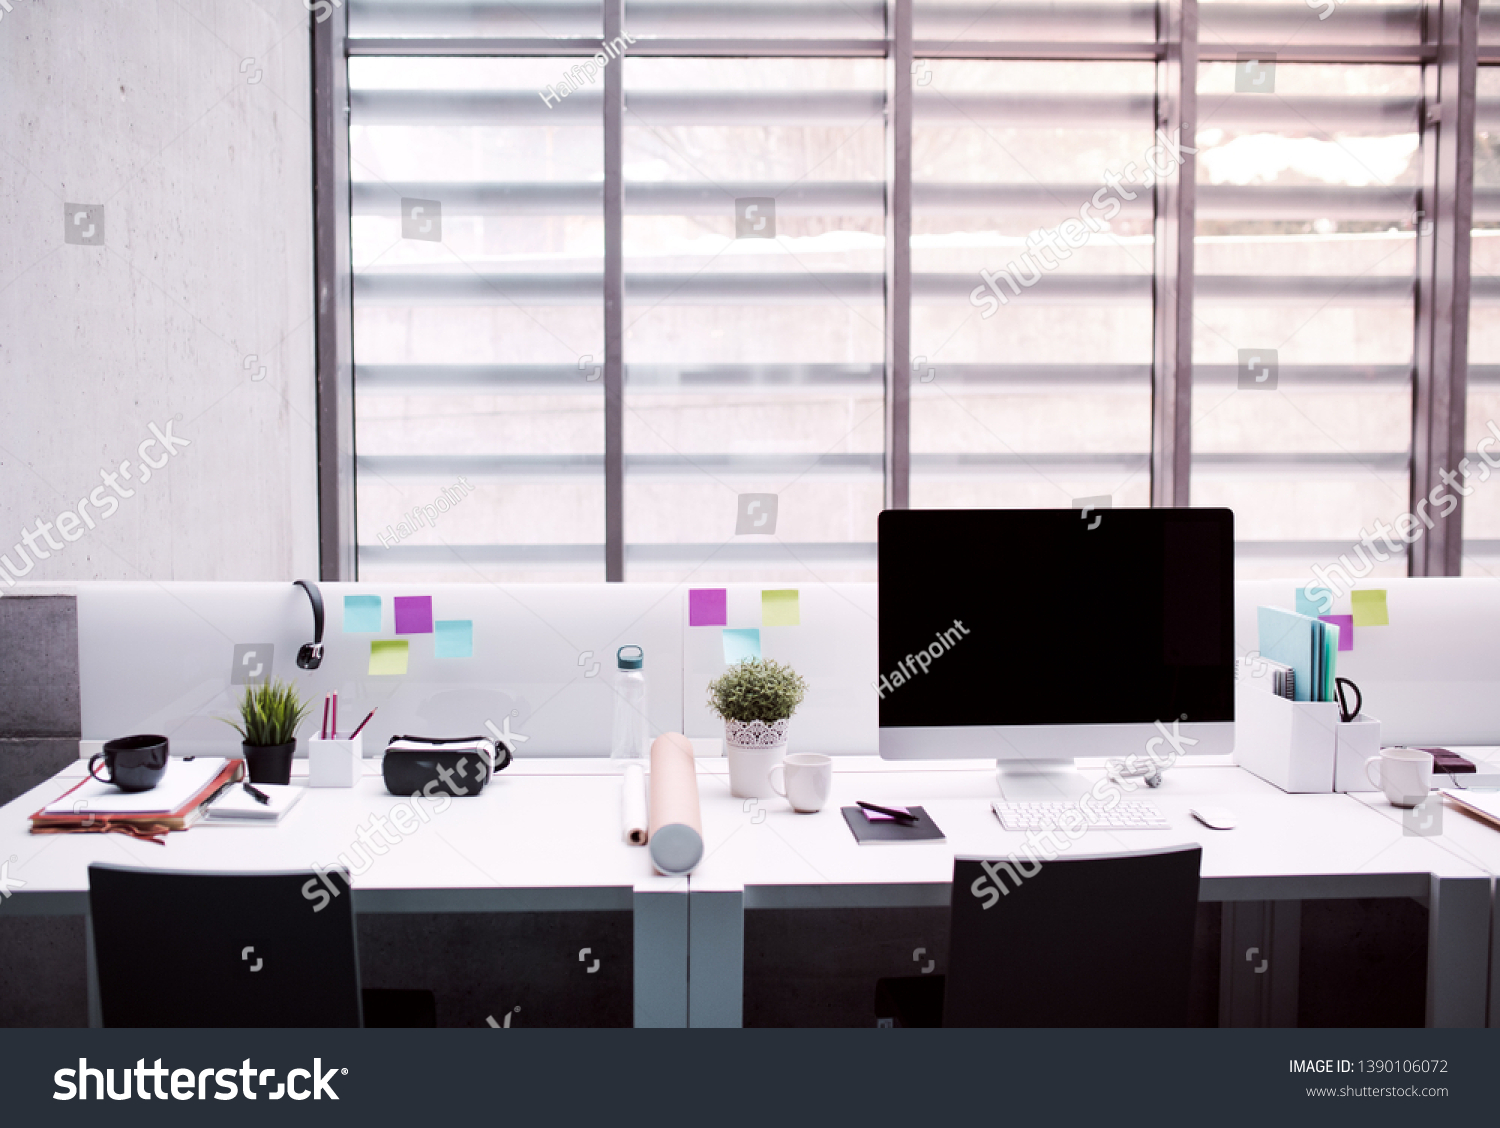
753	748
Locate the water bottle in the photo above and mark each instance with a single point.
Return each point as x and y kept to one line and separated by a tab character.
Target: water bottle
631	732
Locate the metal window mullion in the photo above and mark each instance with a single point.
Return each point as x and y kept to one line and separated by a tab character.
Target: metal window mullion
898	120
1172	284
1439	396
338	555
614	303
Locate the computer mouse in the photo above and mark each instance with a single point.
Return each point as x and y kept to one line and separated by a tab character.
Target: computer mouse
1215	818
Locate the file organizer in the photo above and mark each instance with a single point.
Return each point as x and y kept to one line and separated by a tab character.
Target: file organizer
1302	746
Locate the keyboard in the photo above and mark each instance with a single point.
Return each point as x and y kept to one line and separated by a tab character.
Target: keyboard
1128	814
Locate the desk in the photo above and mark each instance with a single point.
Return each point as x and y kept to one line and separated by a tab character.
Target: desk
542	837
545	836
1470	840
1286	847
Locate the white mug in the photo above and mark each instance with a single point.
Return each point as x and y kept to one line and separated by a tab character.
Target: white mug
808	778
1405	775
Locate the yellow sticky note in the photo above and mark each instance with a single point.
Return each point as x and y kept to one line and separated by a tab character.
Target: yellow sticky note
1369	608
780	609
388	657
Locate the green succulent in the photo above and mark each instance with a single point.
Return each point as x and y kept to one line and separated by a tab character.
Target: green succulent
757	689
271	712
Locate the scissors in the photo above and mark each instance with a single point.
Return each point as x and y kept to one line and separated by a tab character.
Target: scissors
1347	714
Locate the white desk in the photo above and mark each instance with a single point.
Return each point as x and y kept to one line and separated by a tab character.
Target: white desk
545	836
539	838
1286	847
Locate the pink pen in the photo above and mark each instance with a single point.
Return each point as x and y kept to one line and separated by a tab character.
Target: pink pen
362	724
324	731
335	714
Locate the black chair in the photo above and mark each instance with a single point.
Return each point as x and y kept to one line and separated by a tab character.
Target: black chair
223	949
1095	941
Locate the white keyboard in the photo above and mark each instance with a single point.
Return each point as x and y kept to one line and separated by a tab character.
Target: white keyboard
1128	814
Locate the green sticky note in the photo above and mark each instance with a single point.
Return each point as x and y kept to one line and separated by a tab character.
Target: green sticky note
388	657
361	614
741	643
780	608
455	638
1369	608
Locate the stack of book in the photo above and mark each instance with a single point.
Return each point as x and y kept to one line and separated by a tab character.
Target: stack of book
178	801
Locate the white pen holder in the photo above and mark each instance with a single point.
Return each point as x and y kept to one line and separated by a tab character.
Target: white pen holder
334	763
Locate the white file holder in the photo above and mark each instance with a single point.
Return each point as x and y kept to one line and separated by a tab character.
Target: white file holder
1292	744
334	763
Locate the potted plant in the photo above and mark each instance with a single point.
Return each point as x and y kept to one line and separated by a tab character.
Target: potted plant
270	714
755	699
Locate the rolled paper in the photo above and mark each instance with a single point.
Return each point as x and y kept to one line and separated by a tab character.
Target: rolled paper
633	804
676	841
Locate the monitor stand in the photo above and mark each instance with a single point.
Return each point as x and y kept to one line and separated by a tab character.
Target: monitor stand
1022	782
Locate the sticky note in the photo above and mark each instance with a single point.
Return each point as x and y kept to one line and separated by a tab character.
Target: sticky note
413	614
780	608
455	638
708	607
1369	608
1310	605
1345	624
388	656
741	643
361	614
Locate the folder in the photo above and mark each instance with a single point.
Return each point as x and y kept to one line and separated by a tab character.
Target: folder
1309	646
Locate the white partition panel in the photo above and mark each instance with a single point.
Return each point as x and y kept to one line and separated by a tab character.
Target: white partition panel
158	657
834	647
1432	676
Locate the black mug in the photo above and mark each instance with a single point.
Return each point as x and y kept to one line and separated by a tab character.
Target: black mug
135	763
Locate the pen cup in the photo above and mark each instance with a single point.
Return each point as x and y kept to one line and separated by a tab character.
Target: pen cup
334	763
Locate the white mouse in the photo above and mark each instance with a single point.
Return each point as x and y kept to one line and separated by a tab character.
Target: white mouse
1215	818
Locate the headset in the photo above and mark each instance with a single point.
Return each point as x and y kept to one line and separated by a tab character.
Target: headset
310	657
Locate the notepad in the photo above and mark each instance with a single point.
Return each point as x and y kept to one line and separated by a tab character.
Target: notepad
868	833
237	807
179	783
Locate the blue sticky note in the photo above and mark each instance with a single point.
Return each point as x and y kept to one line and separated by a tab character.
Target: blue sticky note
455	638
741	643
1310	604
361	614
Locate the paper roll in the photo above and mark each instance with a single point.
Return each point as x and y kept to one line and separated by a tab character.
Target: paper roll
676	841
633	804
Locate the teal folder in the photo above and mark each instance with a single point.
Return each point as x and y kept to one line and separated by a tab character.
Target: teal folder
1294	640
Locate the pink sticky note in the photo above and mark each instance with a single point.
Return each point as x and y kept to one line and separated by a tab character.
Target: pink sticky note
413	614
708	607
1345	624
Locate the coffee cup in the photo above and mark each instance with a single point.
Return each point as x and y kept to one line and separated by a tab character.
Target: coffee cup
134	763
807	779
1404	774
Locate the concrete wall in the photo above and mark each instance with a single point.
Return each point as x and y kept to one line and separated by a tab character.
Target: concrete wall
188	124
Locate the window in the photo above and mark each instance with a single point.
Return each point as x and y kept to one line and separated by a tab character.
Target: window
778	367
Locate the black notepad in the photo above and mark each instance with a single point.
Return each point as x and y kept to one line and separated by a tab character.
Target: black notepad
868	833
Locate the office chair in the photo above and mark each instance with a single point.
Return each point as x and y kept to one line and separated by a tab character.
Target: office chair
222	949
1087	941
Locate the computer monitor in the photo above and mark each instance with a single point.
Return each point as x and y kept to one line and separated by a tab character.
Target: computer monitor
1034	637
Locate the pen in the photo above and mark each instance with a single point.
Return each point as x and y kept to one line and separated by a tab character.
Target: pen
324	732
362	724
260	796
335	733
904	816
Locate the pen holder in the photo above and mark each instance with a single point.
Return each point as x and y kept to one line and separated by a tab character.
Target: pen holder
334	763
1358	740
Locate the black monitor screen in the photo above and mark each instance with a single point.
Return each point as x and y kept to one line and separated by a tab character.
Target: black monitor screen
1056	616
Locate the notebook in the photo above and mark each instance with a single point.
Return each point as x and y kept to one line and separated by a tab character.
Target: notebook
1309	646
237	807
1483	805
175	803
868	833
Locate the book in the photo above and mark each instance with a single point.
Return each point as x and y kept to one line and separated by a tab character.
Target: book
95	807
883	831
1483	805
235	806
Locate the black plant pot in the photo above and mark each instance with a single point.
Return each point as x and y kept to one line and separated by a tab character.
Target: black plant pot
270	763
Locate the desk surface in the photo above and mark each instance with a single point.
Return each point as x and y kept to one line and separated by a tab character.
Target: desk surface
546	834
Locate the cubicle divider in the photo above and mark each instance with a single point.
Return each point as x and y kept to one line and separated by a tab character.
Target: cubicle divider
444	659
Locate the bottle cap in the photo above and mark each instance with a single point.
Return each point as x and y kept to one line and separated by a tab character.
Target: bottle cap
630	662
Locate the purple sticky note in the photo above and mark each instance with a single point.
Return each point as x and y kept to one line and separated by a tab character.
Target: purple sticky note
1345	624
413	614
708	607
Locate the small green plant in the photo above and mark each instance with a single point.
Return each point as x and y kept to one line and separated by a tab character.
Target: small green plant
757	689
271	714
